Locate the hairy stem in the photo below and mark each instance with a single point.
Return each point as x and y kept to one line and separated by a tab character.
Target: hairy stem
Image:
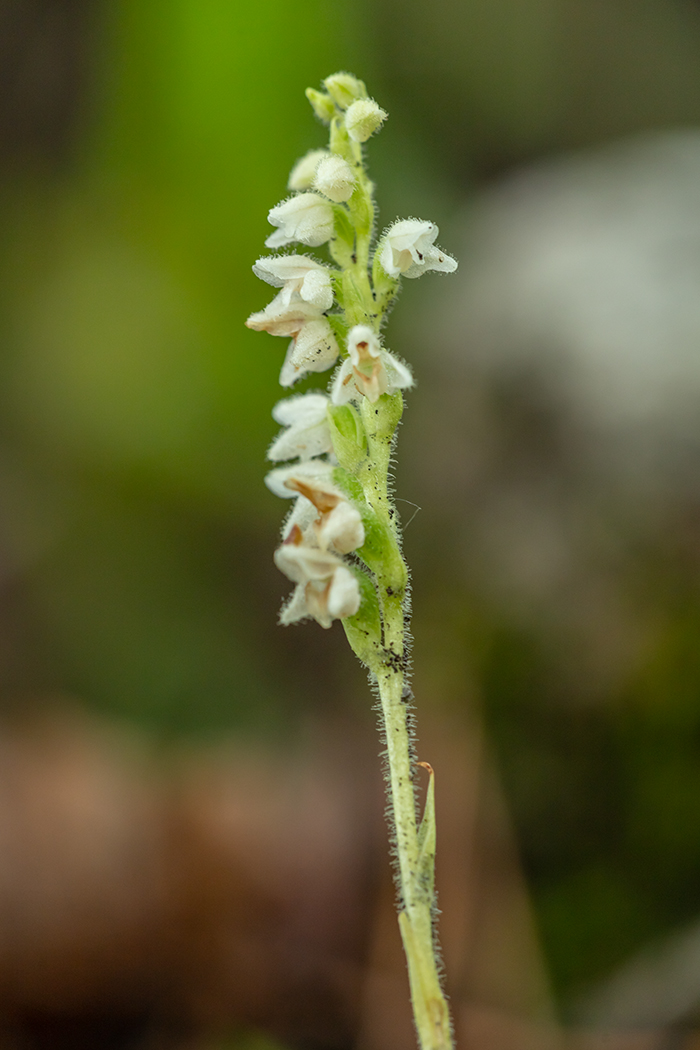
415	846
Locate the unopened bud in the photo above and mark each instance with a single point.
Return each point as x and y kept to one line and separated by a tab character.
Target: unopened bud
322	105
344	89
363	118
334	178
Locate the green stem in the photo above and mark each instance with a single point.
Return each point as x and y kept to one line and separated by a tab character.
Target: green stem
430	1010
415	848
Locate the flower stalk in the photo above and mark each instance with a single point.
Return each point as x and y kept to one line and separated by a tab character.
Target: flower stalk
341	542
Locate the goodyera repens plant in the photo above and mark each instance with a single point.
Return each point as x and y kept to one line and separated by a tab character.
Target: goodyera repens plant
341	543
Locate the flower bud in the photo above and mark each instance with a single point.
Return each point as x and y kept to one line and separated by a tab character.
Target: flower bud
321	104
363	118
334	178
344	89
302	174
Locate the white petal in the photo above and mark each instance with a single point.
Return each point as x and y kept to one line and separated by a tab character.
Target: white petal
289	373
344	594
298	443
278	239
433	259
283	316
308	218
399	375
343	389
316	288
295	609
303	514
301	563
278	269
342	529
315	348
304	410
313	470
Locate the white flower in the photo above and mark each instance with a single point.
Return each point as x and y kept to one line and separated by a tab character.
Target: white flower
335	178
325	600
284	316
313	349
306	434
326	589
302	174
299	274
363	118
333	522
307	218
369	370
409	250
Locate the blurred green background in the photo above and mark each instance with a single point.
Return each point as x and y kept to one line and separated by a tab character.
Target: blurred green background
142	144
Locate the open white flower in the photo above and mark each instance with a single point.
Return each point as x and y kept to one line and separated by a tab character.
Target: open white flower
306	432
302	174
299	274
335	178
307	218
326	589
368	371
313	349
324	600
333	522
408	250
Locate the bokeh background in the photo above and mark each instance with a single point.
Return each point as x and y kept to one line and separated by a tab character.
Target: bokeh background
552	442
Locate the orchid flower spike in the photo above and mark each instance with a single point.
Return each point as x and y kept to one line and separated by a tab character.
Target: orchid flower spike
340	540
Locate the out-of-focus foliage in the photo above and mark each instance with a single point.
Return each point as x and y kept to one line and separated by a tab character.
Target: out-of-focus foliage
135	533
